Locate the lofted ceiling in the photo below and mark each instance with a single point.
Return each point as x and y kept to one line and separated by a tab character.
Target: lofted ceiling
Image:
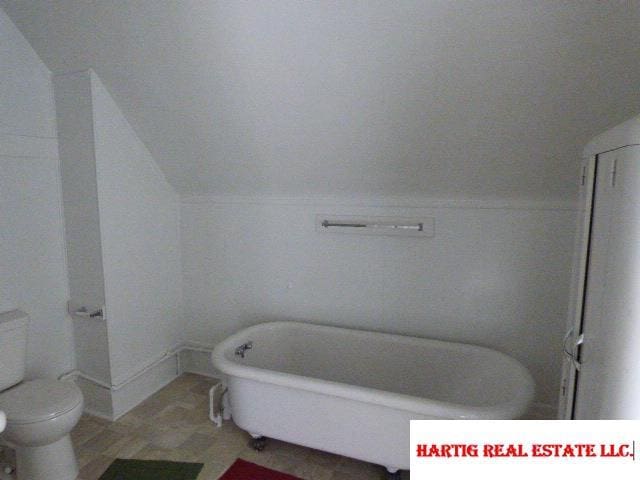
465	98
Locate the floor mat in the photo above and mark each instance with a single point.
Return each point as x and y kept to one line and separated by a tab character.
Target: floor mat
243	470
122	469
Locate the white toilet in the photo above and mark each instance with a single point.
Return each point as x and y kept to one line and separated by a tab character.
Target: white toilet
40	413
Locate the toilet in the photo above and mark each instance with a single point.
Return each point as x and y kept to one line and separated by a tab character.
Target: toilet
40	413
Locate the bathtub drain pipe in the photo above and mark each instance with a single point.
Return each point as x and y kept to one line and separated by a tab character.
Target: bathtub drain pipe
219	408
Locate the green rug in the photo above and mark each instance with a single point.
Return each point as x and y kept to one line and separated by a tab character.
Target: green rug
151	470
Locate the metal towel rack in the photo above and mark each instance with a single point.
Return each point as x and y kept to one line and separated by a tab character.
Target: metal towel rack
418	227
423	227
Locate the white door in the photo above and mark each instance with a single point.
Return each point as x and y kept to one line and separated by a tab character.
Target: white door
574	326
608	383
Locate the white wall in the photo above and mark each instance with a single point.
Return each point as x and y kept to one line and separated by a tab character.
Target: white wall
497	277
139	227
32	260
288	97
74	112
26	106
493	276
122	225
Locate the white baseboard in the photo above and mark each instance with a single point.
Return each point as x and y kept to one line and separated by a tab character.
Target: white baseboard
95	413
97	399
138	390
112	403
197	361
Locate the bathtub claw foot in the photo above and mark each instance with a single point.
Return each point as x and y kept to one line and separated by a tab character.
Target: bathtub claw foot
258	443
393	474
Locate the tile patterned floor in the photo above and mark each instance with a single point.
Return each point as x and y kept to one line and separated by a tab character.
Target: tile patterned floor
173	424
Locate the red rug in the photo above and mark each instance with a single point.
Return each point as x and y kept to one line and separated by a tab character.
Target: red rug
243	470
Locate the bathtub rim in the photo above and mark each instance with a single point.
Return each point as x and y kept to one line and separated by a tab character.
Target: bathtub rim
512	409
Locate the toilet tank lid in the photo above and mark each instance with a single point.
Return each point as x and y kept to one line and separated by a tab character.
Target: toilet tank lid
12	319
39	400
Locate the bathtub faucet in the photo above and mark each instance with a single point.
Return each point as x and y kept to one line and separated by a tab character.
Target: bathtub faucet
240	351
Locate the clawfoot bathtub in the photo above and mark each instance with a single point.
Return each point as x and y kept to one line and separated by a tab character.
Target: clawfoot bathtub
354	392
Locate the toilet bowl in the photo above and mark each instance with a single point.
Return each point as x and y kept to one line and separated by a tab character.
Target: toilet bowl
40	413
40	416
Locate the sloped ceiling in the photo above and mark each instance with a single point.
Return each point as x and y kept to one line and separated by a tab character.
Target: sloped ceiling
475	98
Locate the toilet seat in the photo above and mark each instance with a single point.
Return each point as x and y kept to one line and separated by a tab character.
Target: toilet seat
39	400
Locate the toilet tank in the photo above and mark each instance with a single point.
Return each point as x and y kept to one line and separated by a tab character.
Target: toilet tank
13	347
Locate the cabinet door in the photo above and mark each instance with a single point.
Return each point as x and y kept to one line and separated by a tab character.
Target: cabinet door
608	384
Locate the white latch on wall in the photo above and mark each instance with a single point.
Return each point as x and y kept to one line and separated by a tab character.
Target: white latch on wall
573	353
579	341
77	310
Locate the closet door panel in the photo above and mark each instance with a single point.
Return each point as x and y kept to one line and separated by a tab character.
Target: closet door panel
589	388
621	380
609	379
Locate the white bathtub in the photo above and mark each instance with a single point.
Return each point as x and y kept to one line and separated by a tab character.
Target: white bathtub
353	392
